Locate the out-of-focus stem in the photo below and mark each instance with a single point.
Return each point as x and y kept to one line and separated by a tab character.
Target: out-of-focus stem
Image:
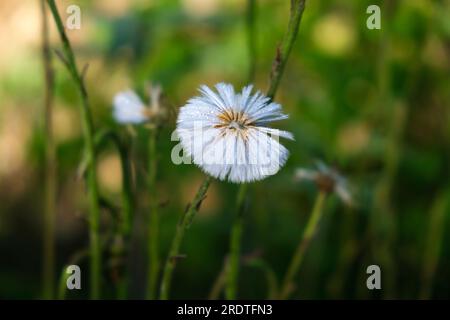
297	8
283	51
251	38
382	213
50	165
230	271
219	283
101	137
311	229
183	224
153	223
235	245
126	212
62	285
88	132
434	242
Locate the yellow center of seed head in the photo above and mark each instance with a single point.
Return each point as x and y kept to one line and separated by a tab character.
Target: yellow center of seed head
235	122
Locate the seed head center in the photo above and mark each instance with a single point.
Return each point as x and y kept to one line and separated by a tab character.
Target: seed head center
234	120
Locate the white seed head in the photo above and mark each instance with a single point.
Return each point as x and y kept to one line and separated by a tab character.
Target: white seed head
129	108
226	135
327	179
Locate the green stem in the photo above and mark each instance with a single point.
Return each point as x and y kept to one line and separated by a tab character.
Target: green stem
183	224
124	221
50	165
101	137
394	114
251	38
311	229
434	242
127	192
75	259
235	245
283	51
88	132
153	225
63	284
271	278
297	8
219	283
127	213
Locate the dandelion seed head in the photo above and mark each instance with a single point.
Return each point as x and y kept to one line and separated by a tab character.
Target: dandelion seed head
327	179
129	108
227	136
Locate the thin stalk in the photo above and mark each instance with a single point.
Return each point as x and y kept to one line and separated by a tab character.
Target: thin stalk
183	224
219	283
153	224
50	165
88	132
434	242
62	285
127	192
235	245
251	38
101	137
383	215
126	211
283	51
271	278
297	259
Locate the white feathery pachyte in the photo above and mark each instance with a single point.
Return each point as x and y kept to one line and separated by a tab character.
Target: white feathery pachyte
226	133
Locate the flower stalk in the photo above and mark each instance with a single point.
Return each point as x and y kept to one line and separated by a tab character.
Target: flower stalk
123	228
182	226
434	242
88	133
283	51
297	259
251	38
153	224
235	245
50	165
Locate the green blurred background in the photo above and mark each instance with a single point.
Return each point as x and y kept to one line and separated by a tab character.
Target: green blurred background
373	103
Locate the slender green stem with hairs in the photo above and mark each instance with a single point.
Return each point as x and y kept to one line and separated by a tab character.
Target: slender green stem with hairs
297	8
283	51
50	165
183	224
88	132
297	259
153	223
